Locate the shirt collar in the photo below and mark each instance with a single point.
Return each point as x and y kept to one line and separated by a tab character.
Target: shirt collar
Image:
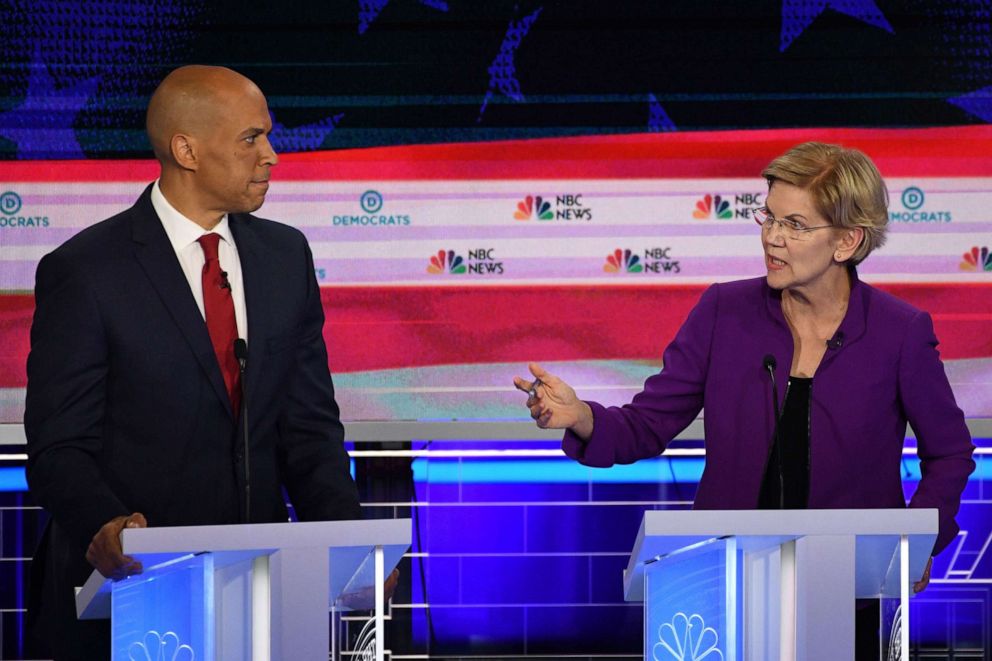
181	230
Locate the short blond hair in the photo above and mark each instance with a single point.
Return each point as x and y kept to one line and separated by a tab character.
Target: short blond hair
845	185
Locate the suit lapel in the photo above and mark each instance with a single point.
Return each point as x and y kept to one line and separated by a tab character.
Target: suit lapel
156	256
253	278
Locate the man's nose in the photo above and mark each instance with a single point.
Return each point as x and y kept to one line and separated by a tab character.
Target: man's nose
268	154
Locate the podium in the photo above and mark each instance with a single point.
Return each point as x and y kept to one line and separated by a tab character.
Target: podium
774	584
253	591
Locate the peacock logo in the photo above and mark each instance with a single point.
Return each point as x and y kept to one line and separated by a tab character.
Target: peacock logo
687	638
709	205
446	262
160	647
976	259
622	261
532	205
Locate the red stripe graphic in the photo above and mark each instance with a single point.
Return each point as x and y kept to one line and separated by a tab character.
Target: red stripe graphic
957	151
370	328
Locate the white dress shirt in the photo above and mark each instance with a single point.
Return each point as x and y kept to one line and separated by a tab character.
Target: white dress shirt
183	234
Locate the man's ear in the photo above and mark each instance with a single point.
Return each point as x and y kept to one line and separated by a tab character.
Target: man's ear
185	151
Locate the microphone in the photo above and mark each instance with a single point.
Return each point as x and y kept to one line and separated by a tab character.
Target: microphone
837	341
241	354
770	364
226	284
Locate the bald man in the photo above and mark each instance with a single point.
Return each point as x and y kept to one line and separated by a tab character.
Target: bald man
135	397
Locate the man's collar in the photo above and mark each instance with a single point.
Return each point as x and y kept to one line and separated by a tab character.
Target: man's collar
181	230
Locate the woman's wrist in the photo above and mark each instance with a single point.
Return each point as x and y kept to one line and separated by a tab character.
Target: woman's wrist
583	427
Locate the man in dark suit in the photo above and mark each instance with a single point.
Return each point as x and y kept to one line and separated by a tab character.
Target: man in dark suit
133	413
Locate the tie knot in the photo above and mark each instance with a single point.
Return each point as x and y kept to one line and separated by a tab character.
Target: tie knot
209	244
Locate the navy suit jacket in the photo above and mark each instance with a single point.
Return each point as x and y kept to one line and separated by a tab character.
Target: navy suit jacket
126	406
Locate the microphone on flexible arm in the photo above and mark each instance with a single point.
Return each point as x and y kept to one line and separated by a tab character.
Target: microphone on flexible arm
241	354
770	364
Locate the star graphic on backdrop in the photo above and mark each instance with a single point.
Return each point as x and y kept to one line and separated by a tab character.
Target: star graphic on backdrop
302	138
42	124
977	103
798	14
503	72
658	119
368	10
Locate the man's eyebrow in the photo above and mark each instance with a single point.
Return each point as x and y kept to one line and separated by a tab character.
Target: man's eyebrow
255	130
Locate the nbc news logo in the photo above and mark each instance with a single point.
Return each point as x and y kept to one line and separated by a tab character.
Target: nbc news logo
656	260
567	207
719	207
481	261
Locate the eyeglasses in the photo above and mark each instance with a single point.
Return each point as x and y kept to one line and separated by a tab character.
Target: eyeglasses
792	228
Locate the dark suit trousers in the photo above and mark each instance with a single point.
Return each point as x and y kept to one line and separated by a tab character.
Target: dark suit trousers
53	629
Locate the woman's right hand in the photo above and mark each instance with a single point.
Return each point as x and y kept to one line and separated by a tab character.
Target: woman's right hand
553	403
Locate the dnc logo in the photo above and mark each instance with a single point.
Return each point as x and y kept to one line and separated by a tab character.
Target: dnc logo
10	203
371	201
709	205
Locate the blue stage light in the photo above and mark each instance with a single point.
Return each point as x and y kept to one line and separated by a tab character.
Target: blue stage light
13	479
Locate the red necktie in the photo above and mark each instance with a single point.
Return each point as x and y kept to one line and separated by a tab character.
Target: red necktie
221	324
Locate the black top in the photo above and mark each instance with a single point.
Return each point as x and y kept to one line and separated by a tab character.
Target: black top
793	436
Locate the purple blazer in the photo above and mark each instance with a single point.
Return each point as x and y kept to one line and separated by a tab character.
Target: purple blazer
883	372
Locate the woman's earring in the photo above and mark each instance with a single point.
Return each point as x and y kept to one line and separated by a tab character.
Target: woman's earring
838	256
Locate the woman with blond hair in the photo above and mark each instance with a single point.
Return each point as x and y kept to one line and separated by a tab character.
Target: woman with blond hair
851	365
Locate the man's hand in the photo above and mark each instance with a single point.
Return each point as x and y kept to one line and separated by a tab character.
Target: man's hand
553	403
105	553
924	581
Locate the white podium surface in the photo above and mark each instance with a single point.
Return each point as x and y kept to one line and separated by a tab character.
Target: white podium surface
798	572
274	582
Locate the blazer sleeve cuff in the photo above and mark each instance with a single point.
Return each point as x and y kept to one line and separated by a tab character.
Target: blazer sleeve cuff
598	451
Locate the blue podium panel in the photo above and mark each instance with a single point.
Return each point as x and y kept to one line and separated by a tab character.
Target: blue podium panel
890	626
167	614
693	604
